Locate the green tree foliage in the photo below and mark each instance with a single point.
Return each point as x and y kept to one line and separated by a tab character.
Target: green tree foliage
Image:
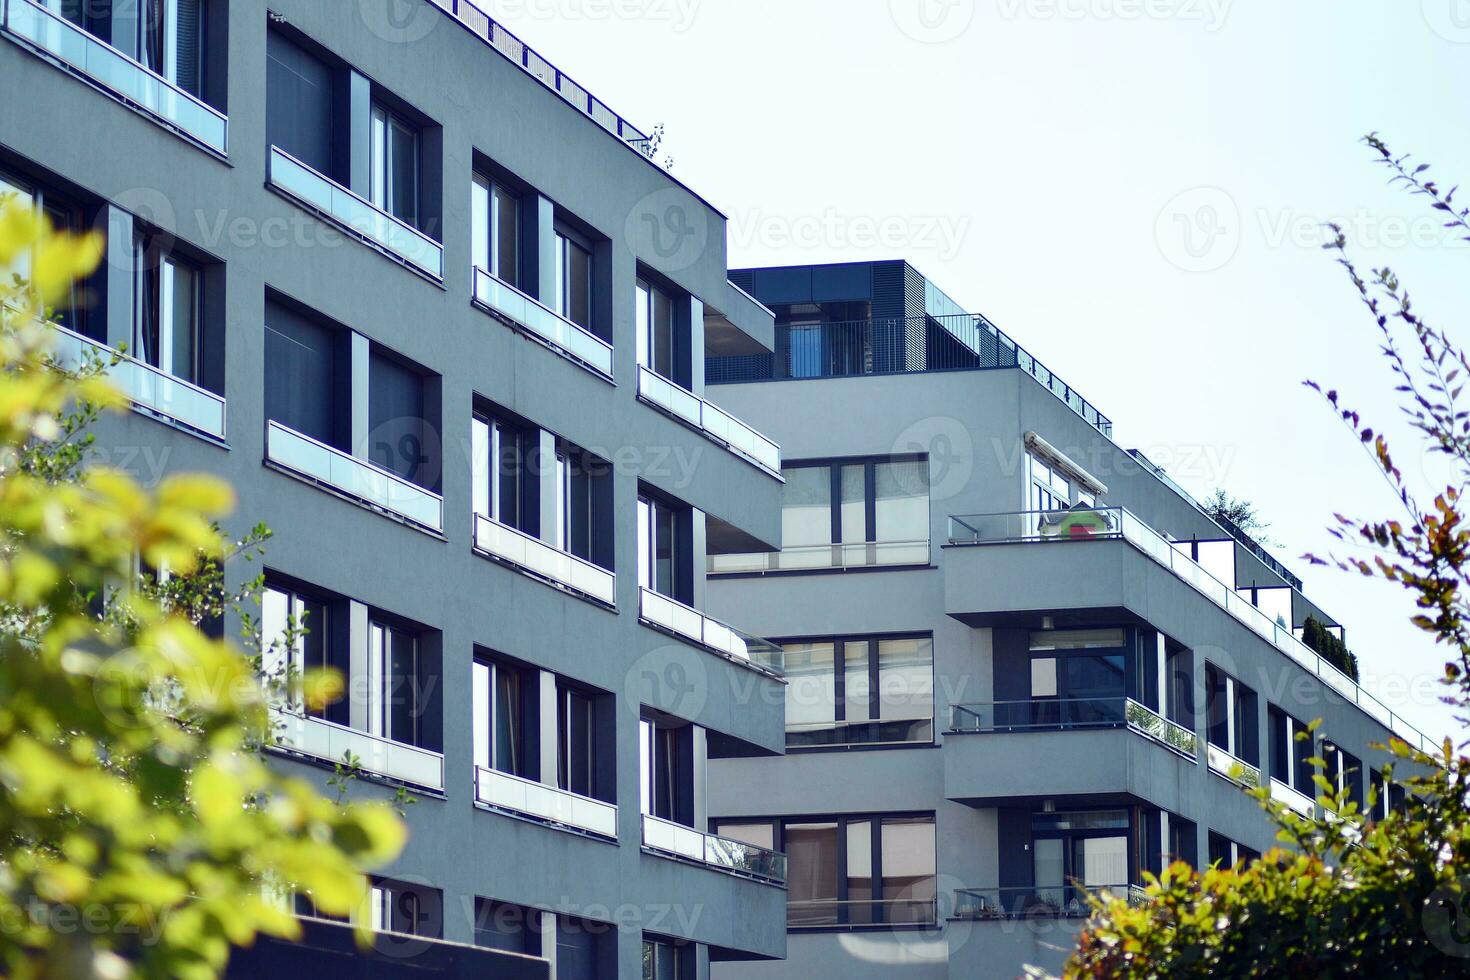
141	832
1333	650
1350	896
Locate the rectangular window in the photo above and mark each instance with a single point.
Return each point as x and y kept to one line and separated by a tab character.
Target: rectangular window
576	757
656	335
868	511
392	683
504	486
1085	847
506	927
293	631
665	771
301	374
410	910
1291	746
859	870
501	694
495	219
665	961
1050	487
166	322
399	432
68	311
301	105
662	550
859	691
573	298
171	41
394	175
1232	714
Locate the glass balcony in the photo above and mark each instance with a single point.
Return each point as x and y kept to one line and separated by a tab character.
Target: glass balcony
713	422
867	554
1073	714
656	609
114	71
883	731
357	478
149	388
329	742
1062	902
1117	523
532	555
721	853
543	323
341	206
1232	768
548	804
816	913
1296	799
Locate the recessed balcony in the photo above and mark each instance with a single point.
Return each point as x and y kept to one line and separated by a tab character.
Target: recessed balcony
863	554
545	804
355	215
504	543
670	615
1293	798
361	481
1032	902
117	74
715	423
325	741
1073	714
669	839
1235	769
541	323
150	390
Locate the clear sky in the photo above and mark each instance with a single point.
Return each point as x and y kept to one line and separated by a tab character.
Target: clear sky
1132	188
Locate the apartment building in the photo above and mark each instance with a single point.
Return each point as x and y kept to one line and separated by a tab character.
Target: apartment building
433	310
1022	663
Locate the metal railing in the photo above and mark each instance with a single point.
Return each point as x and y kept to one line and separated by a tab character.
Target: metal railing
533	555
145	385
542	322
358	478
1117	523
1057	901
331	742
657	609
864	554
872	731
1071	714
125	77
721	853
1232	767
896	345
1294	798
548	804
355	213
819	912
485	27
713	421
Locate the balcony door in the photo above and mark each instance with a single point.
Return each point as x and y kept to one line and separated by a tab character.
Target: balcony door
1086	849
394	175
495	219
664	549
658	340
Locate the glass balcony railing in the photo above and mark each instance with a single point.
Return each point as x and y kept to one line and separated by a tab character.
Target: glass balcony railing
473	16
148	387
863	554
1117	523
329	742
532	555
721	853
543	323
1058	901
357	478
659	610
882	731
1072	714
1233	768
528	798
115	72
1294	798
367	221
816	913
713	422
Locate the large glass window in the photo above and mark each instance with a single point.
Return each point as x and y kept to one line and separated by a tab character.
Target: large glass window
666	770
858	690
301	374
662	551
392	689
501	694
293	641
656	335
166	326
394	175
495	217
576	757
573	298
1087	848
665	961
1232	715
1291	747
503	484
1077	679
65	216
863	512
858	870
172	41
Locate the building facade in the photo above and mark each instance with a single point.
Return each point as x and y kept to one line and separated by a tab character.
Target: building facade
435	313
1022	663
